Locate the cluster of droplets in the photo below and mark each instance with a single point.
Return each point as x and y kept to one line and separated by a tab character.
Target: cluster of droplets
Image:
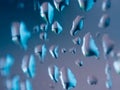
107	43
17	84
20	35
66	76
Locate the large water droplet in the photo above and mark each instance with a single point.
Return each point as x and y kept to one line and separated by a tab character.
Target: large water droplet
77	25
47	12
89	47
108	44
29	66
106	4
67	78
20	34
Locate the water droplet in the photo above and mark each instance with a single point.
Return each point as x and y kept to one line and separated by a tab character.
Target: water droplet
43	36
26	85
15	31
79	63
47	12
54	51
6	64
20	34
67	78
29	66
106	5
104	21
25	35
53	72
107	69
61	4
77	25
44	27
40	51
16	83
92	80
63	50
108	84
3	70
57	28
89	47
86	5
108	44
77	40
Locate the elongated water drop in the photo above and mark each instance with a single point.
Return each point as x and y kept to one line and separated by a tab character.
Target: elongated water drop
53	72
68	79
